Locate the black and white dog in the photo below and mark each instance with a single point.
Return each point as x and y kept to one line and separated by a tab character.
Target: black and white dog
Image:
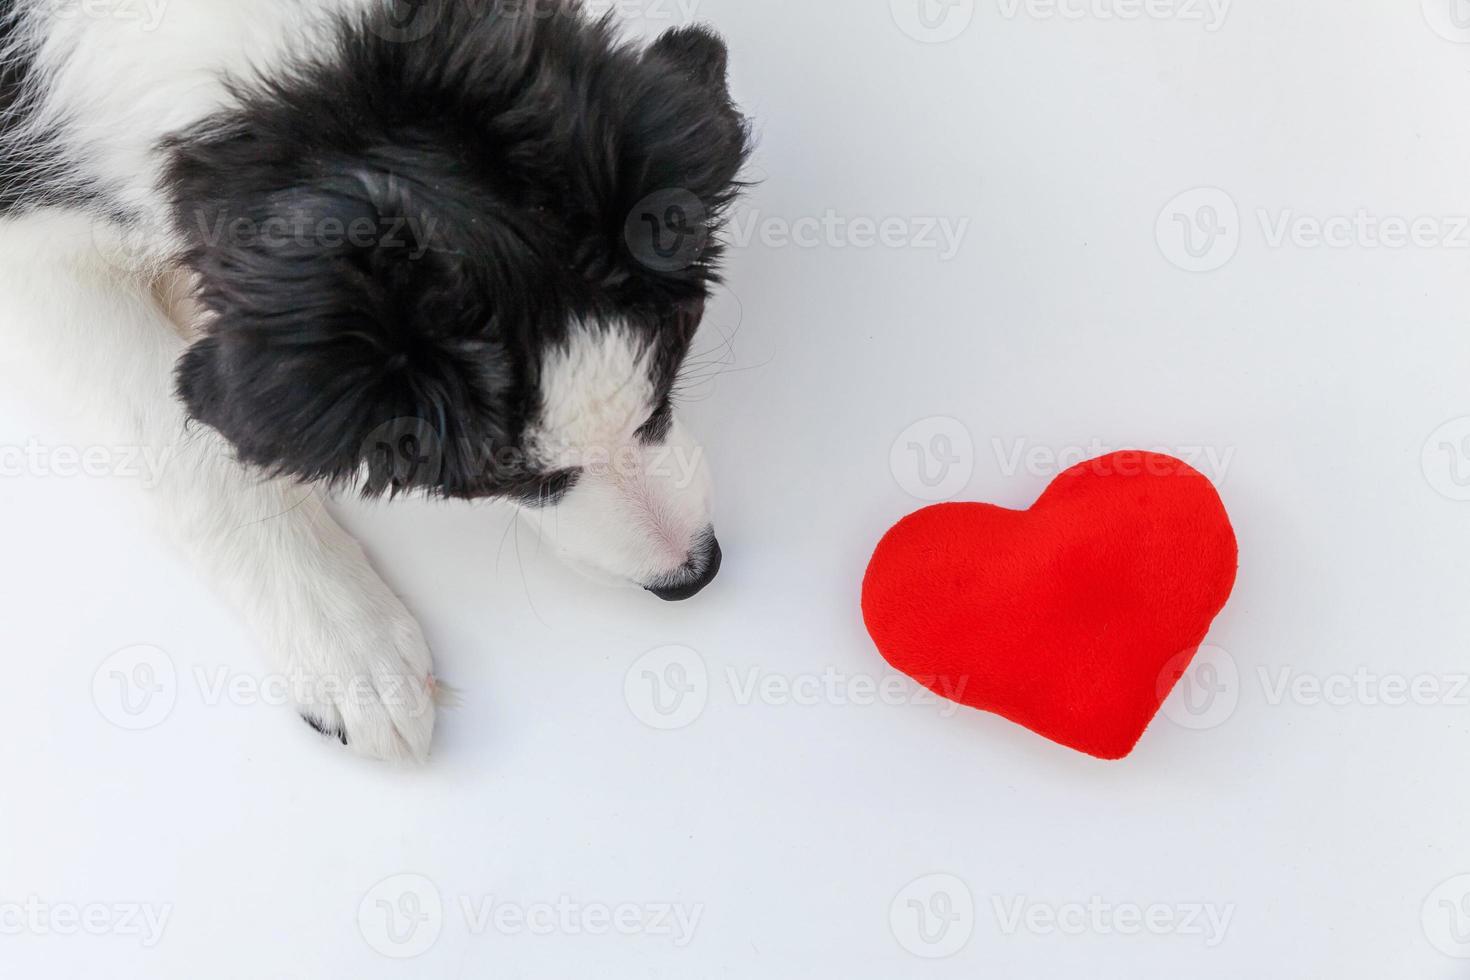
448	246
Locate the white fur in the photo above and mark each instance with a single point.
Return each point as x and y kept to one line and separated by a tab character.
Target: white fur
636	512
595	394
78	301
80	298
115	85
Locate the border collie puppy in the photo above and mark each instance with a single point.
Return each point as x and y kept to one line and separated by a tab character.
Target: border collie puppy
455	247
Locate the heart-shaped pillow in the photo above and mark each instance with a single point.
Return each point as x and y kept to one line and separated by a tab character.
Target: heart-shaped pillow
1075	618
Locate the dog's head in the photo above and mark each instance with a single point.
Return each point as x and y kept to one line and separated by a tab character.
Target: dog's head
467	256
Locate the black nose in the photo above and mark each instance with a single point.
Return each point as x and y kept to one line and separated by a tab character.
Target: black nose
702	570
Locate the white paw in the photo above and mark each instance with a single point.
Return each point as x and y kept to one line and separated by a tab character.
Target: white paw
361	673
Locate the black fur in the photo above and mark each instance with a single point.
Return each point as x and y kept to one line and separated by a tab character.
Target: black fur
32	169
512	171
320	727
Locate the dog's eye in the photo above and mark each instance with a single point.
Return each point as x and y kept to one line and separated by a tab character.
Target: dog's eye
656	429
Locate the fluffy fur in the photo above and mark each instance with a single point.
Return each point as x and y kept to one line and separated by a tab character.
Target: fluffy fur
461	253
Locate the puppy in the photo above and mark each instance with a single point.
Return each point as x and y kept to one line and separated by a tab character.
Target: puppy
456	247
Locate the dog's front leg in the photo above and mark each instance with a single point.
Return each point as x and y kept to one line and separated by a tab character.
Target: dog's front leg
354	659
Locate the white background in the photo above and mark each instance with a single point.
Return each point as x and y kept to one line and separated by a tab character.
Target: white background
1328	829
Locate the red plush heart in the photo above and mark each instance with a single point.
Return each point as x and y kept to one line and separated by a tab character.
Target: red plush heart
1075	618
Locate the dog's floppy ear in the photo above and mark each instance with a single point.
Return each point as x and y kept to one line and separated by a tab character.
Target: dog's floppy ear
698	51
681	147
335	319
